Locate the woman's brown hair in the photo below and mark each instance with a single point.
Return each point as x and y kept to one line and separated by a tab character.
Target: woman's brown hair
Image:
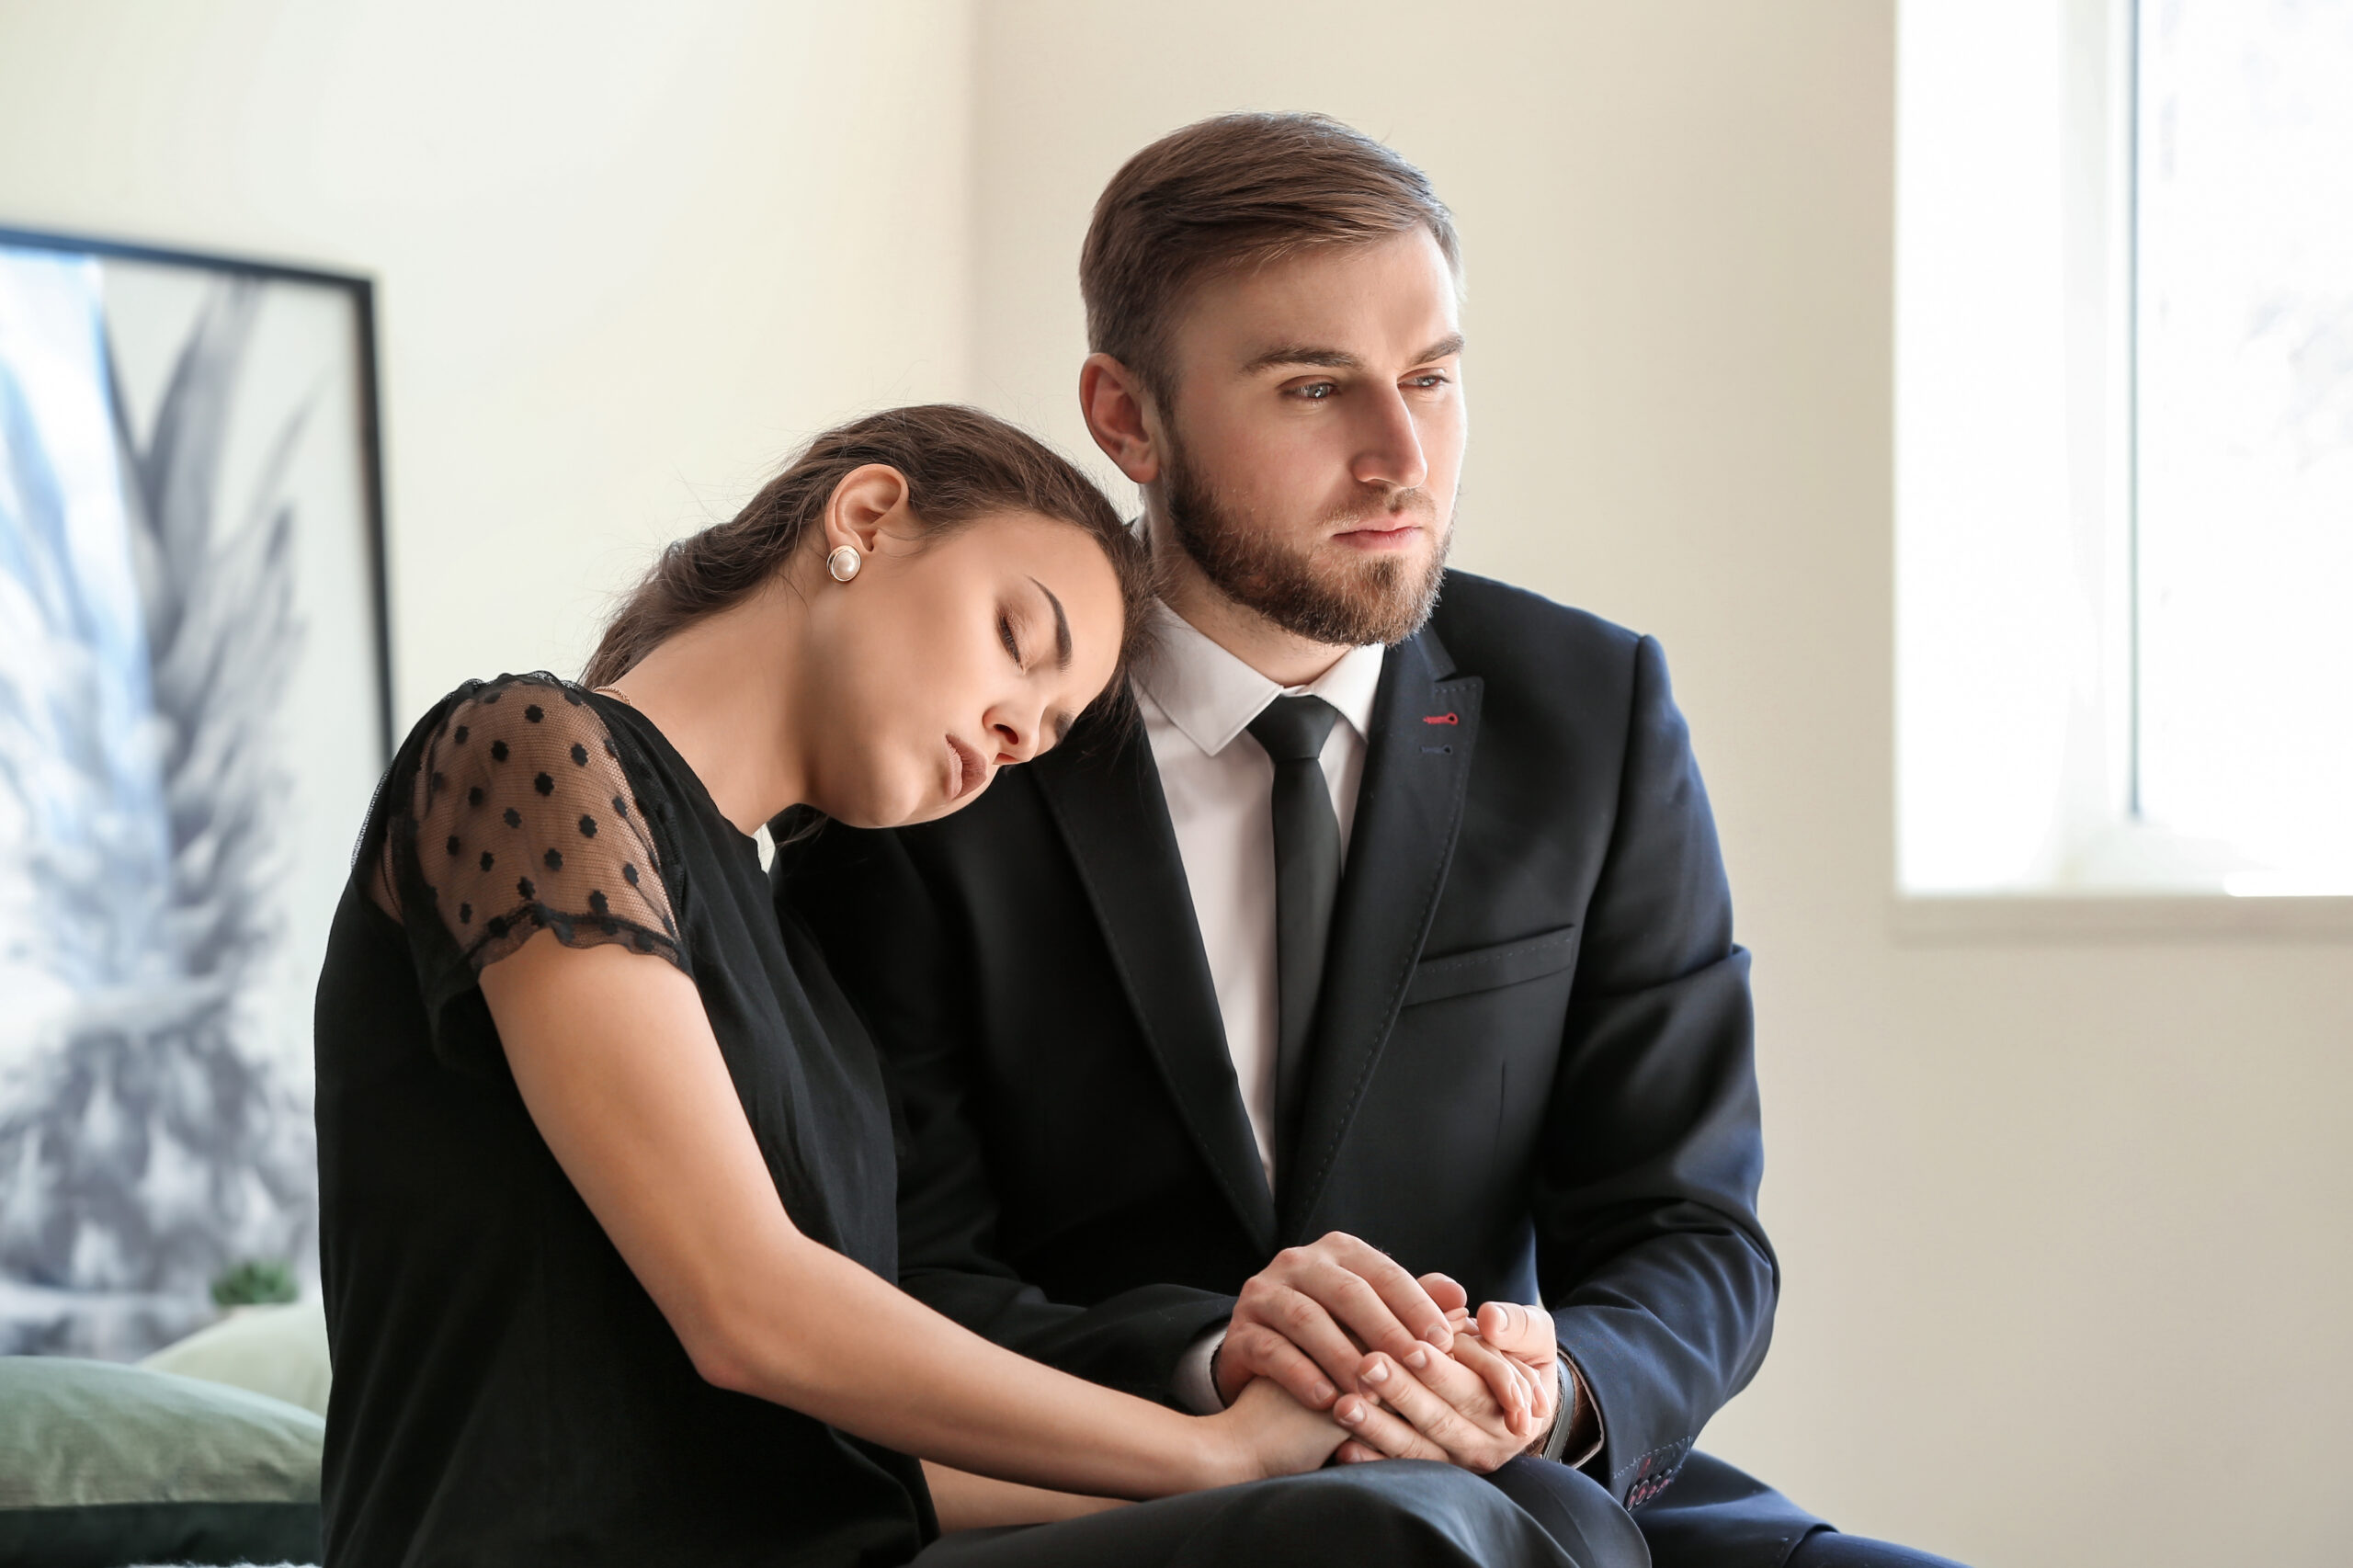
960	465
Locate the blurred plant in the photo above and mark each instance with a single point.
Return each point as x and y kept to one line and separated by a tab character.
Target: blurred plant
140	1147
256	1282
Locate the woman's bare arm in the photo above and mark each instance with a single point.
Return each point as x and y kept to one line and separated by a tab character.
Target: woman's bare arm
967	1502
618	1067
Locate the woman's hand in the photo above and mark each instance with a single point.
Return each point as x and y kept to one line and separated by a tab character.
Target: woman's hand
1273	1434
1489	1402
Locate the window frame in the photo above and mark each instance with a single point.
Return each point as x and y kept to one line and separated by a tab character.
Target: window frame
2080	858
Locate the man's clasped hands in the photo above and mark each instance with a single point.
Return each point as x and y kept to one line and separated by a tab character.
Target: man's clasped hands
1401	1362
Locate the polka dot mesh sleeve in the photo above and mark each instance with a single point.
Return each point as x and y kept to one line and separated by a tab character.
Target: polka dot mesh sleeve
524	819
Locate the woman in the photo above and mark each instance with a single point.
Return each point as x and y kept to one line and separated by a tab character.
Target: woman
607	1216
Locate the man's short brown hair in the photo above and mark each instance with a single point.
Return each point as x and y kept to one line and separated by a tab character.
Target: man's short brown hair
1236	191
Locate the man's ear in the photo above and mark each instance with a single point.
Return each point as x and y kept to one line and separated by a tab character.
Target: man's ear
1121	416
861	504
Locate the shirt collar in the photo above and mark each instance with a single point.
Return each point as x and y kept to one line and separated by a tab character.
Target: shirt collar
1211	696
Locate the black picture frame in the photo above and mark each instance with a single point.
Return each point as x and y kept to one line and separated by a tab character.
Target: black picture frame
362	290
193	547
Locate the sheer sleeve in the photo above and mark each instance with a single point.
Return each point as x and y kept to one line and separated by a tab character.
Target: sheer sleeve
521	818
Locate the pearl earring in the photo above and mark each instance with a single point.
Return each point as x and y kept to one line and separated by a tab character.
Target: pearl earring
844	564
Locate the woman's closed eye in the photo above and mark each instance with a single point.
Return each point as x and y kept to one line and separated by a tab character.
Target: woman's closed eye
1012	642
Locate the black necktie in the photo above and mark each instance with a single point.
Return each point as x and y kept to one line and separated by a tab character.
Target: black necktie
1307	884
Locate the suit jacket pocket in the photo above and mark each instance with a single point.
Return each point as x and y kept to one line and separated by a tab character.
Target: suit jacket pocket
1485	969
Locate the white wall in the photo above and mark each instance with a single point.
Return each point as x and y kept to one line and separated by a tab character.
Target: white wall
628	256
2064	1225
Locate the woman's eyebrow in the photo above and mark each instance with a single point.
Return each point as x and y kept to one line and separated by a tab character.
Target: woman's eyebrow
1062	626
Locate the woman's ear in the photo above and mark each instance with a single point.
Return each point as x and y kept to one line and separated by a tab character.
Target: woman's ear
862	505
1120	416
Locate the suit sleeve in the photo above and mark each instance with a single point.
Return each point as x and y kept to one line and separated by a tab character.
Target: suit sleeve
1649	1250
898	950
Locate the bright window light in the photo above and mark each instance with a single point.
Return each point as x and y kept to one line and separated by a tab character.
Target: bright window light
2243	432
2124	448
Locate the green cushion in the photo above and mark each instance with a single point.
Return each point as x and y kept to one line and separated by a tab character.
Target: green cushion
280	1351
103	1464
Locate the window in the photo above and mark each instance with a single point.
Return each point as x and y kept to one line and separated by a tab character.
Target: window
2124	448
2243	501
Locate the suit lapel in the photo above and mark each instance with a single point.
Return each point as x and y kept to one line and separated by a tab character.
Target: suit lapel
1409	808
1115	820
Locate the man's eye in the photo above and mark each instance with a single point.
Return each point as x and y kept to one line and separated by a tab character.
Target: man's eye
1005	635
1425	383
1316	392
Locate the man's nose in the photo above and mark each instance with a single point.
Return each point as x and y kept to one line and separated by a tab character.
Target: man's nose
1390	455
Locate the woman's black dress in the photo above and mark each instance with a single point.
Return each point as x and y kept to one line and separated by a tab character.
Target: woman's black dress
505	1390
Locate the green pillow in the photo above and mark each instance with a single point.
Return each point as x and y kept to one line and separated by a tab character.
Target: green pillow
280	1351
102	1465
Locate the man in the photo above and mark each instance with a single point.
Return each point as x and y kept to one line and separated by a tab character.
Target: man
1391	925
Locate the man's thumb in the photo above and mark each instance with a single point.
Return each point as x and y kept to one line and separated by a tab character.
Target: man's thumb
1517	1331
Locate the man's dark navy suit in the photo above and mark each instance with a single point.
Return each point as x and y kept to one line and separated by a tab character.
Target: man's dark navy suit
1531	1069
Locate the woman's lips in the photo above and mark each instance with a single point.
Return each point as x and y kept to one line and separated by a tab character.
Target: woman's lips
967	772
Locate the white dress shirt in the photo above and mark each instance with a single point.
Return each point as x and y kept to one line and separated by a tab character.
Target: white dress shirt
1198	702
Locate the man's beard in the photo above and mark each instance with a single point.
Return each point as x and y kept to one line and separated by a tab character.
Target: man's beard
1381	599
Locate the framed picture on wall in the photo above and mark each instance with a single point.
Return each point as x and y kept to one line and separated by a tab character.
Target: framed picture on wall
194	709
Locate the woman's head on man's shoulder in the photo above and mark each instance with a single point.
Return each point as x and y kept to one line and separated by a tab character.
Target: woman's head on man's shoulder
926	594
